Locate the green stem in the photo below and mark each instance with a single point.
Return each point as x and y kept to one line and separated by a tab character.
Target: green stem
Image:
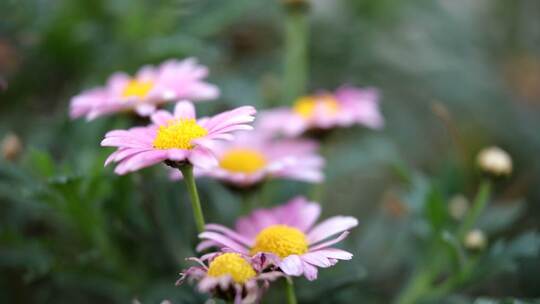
422	279
296	52
419	284
478	206
187	172
291	296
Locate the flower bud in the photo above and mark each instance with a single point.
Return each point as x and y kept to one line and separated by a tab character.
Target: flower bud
475	240
458	206
11	147
495	160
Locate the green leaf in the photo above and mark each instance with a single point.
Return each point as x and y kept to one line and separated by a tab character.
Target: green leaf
435	209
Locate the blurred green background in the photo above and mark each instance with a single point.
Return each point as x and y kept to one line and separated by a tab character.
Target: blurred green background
455	76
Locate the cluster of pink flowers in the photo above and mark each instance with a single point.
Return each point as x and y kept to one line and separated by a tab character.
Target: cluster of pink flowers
267	244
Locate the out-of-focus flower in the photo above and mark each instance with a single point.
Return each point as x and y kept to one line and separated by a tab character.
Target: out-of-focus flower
475	240
11	146
458	206
151	86
495	160
323	111
252	157
229	275
175	138
285	237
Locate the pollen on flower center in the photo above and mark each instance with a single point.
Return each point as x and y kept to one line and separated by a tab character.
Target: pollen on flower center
306	106
178	134
243	160
281	240
231	264
137	88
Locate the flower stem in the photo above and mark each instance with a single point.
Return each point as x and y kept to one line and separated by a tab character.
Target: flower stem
187	172
291	296
296	49
479	205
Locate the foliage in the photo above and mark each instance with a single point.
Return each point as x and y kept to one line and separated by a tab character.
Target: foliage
455	76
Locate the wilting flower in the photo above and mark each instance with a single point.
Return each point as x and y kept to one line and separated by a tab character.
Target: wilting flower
229	275
178	137
286	237
323	111
495	160
252	157
151	86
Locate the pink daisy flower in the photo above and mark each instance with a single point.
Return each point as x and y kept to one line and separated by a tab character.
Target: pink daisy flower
151	86
229	275
252	157
345	107
175	138
286	237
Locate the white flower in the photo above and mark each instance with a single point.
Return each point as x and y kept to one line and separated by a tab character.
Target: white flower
495	160
458	206
475	240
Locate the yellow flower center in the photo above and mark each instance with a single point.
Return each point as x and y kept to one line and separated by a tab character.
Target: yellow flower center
242	160
137	88
231	264
281	240
305	106
178	134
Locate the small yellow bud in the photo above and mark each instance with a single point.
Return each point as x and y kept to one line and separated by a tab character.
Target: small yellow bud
475	240
11	147
458	206
495	160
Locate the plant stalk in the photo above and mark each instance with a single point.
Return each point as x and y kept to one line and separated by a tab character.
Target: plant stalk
296	52
291	295
187	172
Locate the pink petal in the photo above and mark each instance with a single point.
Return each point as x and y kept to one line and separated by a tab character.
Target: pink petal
202	158
333	253
161	117
310	271
223	241
259	219
177	154
205	245
303	214
139	161
316	258
206	284
230	233
145	109
236	116
292	265
331	226
185	110
331	242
